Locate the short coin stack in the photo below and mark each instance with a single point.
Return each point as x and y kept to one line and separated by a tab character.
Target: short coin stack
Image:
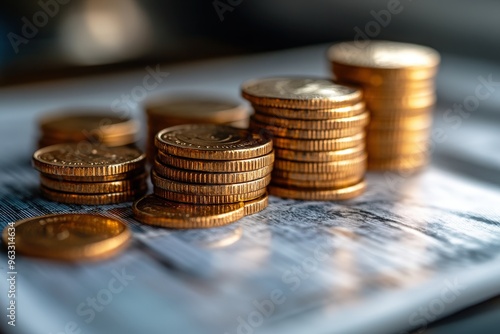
399	91
318	135
95	127
207	175
93	175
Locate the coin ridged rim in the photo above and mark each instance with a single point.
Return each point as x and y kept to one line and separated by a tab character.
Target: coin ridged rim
379	78
320	156
182	175
356	171
377	83
255	146
397	149
409	102
402	162
413	121
283	132
97	250
217	166
320	167
394	115
96	170
91	199
256	205
334	183
187	218
209	189
358	121
207	199
318	194
318	145
313	114
105	178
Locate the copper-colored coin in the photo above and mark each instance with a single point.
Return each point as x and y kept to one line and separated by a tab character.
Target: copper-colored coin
320	156
93	187
321	167
403	102
316	194
208	199
285	132
104	178
342	112
396	135
357	121
243	165
190	176
87	160
212	142
92	199
209	189
153	210
407	162
336	183
383	87
394	115
256	205
72	237
397	149
355	173
391	93
299	93
319	145
411	123
111	142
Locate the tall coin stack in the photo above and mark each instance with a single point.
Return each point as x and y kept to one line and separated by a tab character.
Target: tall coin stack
208	175
399	90
92	175
318	136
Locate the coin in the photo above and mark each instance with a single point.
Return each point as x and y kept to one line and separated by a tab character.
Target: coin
92	199
72	237
243	165
319	145
318	194
399	149
358	121
209	189
209	177
83	160
300	93
401	102
395	136
285	132
355	172
406	162
319	184
208	199
342	112
320	156
212	142
256	205
153	210
409	123
104	178
321	167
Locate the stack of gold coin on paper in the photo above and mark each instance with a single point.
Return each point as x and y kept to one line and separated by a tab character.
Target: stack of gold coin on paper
399	91
207	175
95	127
94	175
193	109
318	136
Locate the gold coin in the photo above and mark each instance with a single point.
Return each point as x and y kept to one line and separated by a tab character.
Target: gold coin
119	141
283	132
87	160
105	178
153	210
92	199
391	93
335	183
72	237
320	167
212	142
299	93
395	136
358	121
316	194
394	115
208	177
256	205
403	102
320	156
398	149
412	123
384	88
93	187
208	199
209	189
355	173
225	166
407	162
342	112
319	145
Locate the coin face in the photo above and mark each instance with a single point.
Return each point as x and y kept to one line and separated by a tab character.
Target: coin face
212	142
296	93
70	236
318	194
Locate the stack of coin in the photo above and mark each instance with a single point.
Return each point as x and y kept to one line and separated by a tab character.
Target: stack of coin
207	175
398	85
194	109
94	175
318	136
95	127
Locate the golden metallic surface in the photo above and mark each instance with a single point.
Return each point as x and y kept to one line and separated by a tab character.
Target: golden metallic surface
111	142
400	163
396	150
92	199
357	121
408	123
190	176
386	93
256	205
354	173
87	160
285	132
70	237
212	142
396	136
318	194
342	112
401	102
153	210
209	189
321	167
104	178
318	145
320	156
226	166
299	93
394	115
93	187
320	184
208	199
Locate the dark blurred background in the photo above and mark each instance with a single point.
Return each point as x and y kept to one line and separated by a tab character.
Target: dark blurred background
52	38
